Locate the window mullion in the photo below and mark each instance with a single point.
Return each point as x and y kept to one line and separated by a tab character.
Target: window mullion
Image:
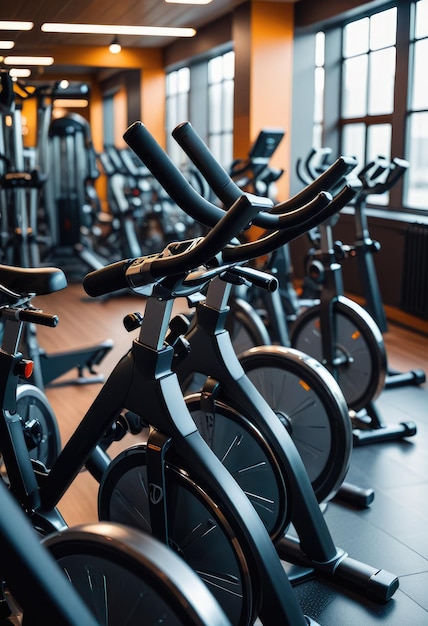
401	95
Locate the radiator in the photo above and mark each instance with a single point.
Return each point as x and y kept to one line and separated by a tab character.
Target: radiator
414	287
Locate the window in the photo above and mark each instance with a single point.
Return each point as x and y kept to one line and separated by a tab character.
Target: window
203	94
416	194
221	72
319	90
368	82
177	108
371	93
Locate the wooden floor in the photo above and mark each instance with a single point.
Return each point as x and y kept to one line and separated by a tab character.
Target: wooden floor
390	534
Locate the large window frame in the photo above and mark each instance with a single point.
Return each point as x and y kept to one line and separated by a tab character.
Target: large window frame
206	101
416	189
335	123
177	108
368	68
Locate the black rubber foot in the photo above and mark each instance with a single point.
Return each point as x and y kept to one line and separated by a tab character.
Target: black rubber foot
393	432
359	497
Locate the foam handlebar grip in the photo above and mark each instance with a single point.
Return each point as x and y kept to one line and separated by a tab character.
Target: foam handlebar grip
216	176
284	214
140	140
107	279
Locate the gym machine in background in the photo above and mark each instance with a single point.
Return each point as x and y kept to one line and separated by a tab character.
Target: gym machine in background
377	178
25	231
71	202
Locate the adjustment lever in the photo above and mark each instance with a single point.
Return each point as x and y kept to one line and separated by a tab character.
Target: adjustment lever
175	338
259	279
31	316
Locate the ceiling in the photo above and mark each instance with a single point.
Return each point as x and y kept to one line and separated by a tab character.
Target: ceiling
123	12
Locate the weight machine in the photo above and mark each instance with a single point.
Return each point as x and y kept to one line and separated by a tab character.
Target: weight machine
22	182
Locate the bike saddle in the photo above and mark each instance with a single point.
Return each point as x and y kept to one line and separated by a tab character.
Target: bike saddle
38	280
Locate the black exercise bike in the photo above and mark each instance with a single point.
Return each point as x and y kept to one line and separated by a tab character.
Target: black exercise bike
335	330
268	446
119	573
219	533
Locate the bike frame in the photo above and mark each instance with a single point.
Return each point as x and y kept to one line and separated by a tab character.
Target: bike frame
34	579
212	354
145	369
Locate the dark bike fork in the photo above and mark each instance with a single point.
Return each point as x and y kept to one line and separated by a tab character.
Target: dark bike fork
332	288
315	547
144	383
209	337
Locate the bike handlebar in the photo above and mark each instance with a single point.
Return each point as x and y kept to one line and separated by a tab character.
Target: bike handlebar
169	176
372	180
322	157
227	190
145	270
377	177
31	316
183	257
273	240
182	193
135	273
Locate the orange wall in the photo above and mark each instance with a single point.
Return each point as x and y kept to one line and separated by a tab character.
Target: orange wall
102	58
153	94
262	34
263	38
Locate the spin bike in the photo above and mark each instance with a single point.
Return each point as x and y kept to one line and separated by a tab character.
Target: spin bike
194	503
290	497
345	337
302	393
121	574
337	332
377	178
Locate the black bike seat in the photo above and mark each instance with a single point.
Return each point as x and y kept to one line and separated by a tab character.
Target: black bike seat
37	280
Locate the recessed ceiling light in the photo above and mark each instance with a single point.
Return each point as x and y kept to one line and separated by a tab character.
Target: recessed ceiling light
112	29
115	47
12	60
6	45
12	25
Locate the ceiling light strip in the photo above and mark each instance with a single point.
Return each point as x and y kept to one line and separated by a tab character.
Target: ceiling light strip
76	103
14	25
188	1
114	29
20	72
17	60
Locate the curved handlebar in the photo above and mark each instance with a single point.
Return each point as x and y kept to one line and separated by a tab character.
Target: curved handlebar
145	270
377	176
179	189
372	179
227	190
169	176
316	168
272	241
135	273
